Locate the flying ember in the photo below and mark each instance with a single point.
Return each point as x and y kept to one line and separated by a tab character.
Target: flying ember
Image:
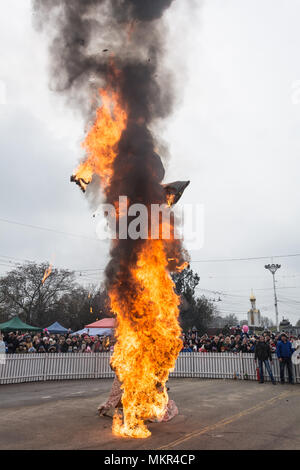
47	273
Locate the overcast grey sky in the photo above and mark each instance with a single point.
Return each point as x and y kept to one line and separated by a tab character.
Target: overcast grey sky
234	134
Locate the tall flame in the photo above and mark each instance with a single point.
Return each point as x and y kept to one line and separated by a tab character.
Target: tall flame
147	339
100	142
148	332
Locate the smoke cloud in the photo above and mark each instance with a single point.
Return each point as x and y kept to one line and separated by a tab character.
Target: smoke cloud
85	35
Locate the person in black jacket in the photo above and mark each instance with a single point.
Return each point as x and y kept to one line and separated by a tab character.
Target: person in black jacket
263	354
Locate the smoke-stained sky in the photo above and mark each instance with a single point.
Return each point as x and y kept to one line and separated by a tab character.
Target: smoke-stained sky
234	134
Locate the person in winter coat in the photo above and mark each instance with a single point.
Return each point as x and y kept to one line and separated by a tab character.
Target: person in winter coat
62	346
216	344
12	342
186	348
284	351
245	348
263	354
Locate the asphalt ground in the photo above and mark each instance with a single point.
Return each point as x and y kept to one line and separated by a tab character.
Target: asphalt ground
213	415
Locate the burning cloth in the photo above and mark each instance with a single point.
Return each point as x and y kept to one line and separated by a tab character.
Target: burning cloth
114	401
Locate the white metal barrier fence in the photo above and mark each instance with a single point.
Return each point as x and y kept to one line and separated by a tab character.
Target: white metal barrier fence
18	368
225	366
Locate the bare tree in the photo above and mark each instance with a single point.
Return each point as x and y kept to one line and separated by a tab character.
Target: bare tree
81	306
267	322
23	292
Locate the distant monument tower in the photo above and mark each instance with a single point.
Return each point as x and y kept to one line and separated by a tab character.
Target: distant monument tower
254	318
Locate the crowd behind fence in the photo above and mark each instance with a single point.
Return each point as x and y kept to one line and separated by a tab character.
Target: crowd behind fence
239	341
43	367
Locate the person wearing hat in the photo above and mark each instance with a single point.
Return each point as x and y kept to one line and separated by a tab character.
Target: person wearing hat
12	342
284	351
186	348
21	349
62	345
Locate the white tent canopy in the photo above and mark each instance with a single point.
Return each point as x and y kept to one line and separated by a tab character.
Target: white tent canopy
94	332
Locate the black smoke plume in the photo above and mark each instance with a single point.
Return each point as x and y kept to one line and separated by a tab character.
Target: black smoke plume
84	34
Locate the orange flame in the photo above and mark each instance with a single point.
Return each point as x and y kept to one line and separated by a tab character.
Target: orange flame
100	142
148	332
182	266
130	29
148	340
47	273
170	199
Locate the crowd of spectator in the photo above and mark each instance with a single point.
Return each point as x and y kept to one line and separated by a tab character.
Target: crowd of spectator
24	343
243	341
240	341
237	342
45	342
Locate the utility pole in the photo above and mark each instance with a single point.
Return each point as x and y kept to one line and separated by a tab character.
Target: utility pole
273	268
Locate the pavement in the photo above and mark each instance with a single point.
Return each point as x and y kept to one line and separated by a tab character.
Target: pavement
213	415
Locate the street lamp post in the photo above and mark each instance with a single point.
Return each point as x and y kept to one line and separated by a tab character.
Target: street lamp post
273	268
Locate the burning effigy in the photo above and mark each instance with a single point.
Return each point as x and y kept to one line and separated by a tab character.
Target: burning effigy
106	56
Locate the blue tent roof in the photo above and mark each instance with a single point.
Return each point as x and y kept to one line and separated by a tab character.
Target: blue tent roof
57	328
